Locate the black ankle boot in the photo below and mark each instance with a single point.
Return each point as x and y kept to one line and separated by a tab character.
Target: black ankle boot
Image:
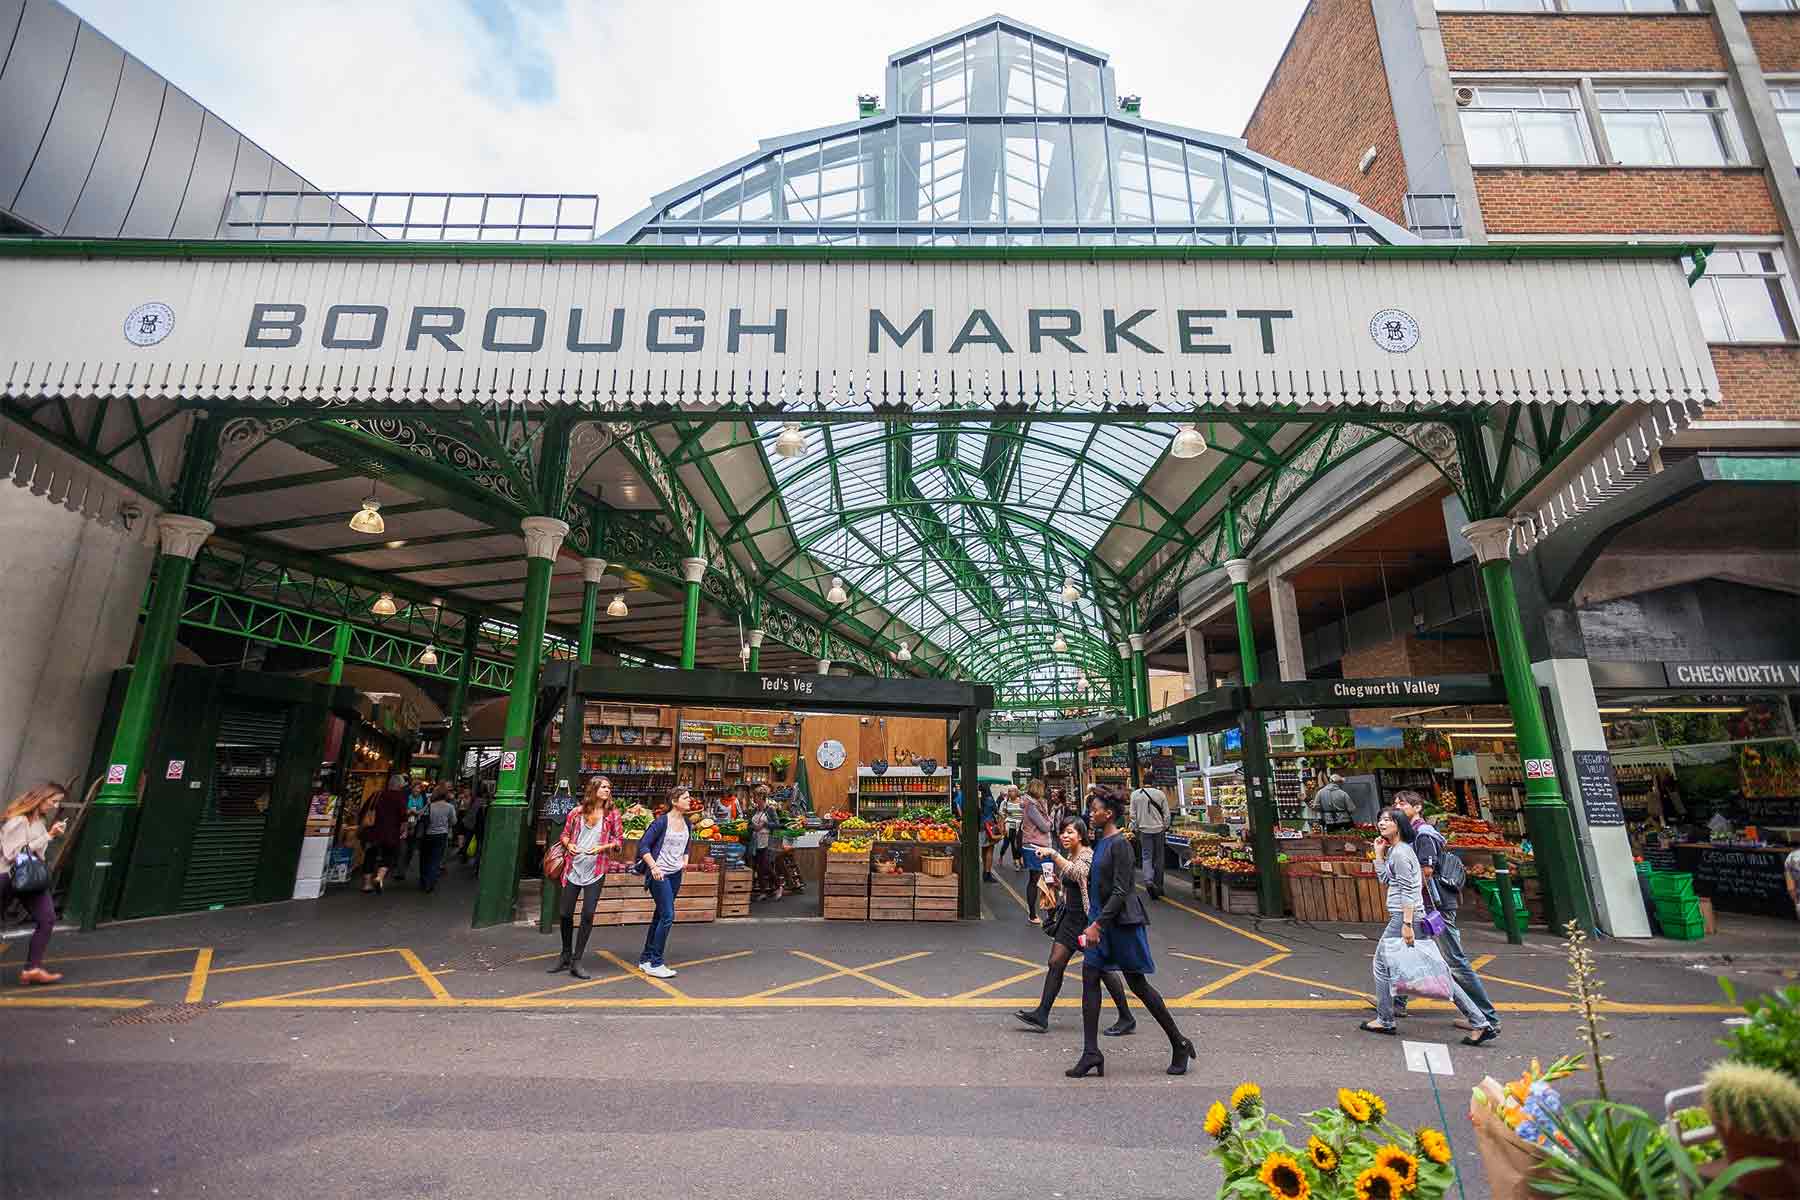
562	964
1125	1026
1032	1019
1090	1060
1183	1055
576	972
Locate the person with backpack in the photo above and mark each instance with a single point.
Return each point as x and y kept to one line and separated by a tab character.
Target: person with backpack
1150	819
1444	878
27	828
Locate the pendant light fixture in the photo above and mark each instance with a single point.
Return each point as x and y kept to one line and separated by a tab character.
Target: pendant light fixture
905	654
618	607
792	442
384	605
1059	646
836	595
1070	593
429	658
367	519
1188	443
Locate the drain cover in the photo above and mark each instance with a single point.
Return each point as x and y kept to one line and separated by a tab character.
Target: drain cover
162	1014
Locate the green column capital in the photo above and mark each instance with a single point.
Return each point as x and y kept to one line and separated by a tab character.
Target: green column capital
756	641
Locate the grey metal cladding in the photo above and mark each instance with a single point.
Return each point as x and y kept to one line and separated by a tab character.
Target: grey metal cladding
29	87
10	12
124	149
152	213
67	153
204	203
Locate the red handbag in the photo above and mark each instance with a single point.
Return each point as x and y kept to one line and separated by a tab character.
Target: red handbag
556	862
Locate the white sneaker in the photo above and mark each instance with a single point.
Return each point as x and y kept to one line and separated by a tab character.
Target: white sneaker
644	966
660	972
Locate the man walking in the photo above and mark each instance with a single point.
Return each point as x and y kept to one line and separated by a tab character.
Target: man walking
1443	878
1150	818
1335	806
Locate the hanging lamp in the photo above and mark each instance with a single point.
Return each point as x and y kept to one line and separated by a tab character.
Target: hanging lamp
618	607
429	658
1070	593
792	441
384	605
905	654
367	519
1188	443
1059	646
836	595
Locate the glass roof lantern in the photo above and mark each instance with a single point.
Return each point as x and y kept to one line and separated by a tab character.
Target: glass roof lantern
999	133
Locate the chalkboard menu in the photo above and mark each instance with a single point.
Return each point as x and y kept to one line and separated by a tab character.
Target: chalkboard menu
1766	811
1599	793
1740	879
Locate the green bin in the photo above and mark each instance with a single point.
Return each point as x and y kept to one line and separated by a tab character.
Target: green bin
1682	930
1671	885
1490	895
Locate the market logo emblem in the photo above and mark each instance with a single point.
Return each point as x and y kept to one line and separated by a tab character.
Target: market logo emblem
148	324
1394	330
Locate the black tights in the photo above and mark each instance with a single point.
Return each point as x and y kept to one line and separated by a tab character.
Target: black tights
1140	987
588	901
1053	981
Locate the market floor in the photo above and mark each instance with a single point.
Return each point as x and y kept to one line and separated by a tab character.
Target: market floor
376	1045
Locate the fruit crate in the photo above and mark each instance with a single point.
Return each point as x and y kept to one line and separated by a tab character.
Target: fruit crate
736	881
731	907
846	908
1238	897
935	898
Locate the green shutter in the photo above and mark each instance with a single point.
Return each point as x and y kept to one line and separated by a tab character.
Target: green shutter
228	842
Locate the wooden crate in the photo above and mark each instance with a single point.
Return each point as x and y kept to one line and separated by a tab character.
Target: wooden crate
730	908
1238	898
1372	899
702	908
898	887
841	908
698	884
930	886
890	908
933	908
736	881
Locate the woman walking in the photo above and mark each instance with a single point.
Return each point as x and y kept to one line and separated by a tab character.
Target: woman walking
1115	941
384	825
662	856
1066	926
1397	866
592	832
26	829
993	831
1034	832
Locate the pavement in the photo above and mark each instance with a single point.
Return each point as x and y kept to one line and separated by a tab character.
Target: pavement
376	1044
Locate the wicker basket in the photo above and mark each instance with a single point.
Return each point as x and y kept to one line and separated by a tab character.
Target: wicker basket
936	865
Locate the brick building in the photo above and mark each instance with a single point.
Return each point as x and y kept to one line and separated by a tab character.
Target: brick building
1556	120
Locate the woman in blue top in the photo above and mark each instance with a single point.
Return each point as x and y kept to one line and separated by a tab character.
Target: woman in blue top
662	856
1115	941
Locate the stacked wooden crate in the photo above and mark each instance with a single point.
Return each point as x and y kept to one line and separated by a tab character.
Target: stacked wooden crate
734	891
844	892
624	901
891	896
698	899
935	897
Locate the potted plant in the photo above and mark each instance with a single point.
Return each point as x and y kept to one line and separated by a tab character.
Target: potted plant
778	766
1757	1113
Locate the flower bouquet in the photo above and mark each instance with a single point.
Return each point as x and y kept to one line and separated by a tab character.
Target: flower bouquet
1352	1152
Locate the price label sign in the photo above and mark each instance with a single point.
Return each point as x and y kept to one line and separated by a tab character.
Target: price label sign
509	760
1427	1058
177	767
1540	768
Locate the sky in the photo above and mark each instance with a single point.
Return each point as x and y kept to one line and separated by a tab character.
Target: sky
622	99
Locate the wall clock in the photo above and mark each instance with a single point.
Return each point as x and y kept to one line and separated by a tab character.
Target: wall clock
831	754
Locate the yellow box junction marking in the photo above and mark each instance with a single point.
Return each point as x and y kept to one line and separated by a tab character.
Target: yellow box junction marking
1036	970
1243	933
1227	980
425	976
660	985
196	989
836	973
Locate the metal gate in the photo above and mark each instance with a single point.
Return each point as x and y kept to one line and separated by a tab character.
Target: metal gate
228	842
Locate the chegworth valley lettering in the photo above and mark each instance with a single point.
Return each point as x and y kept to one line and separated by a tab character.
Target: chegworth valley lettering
283	325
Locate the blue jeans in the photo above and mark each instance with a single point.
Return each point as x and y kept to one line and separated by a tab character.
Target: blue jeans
1450	946
1384	984
662	891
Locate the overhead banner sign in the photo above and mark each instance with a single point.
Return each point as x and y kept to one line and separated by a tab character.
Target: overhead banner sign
1733	676
597	330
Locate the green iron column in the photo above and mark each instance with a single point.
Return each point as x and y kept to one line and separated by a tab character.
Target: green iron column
1140	674
568	750
508	815
1128	684
693	570
340	650
450	758
1548	821
593	570
1239	571
111	827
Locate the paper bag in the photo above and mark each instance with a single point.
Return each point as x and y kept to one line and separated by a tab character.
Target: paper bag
1510	1162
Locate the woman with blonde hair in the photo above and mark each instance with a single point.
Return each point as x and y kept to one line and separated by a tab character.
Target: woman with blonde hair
26	832
591	831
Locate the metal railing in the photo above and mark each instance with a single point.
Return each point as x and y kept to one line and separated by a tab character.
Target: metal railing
412	216
1434	216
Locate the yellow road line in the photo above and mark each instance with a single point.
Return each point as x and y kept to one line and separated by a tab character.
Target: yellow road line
1318	983
1033	973
1481	962
212	970
597	981
58	987
1548	991
70	1002
1024	907
1023	962
861	973
120	954
269	1001
1244	933
196	990
661	985
1211	1003
425	976
838	973
1233	977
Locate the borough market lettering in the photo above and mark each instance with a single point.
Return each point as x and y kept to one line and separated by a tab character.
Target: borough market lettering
283	325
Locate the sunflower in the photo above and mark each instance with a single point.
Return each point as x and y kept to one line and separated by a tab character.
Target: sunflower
1354	1106
1376	1104
1400	1163
1379	1183
1435	1146
1323	1156
1246	1098
1281	1174
1217	1120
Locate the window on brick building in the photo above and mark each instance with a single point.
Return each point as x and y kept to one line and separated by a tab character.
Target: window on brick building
1496	5
1743	297
1667	127
1787	111
1536	126
1635	6
1769	5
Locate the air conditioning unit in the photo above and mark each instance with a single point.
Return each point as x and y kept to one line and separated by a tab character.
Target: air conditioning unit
1465	96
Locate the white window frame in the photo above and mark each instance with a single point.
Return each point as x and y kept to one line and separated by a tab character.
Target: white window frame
1591	148
1784	94
1562	7
1737	152
1781	273
1769	6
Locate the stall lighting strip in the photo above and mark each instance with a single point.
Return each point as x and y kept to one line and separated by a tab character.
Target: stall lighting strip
1468	725
1675	709
1482	737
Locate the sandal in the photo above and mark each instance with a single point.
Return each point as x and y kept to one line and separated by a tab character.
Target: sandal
1378	1027
1481	1037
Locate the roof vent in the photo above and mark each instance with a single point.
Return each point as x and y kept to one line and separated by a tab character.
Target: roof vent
868	104
1465	96
1130	104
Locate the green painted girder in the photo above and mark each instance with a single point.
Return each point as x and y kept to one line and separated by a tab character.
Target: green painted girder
129	461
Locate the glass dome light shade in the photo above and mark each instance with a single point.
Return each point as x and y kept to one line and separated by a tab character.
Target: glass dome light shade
1060	646
905	653
384	605
367	519
1070	593
429	658
792	442
618	607
1188	443
836	595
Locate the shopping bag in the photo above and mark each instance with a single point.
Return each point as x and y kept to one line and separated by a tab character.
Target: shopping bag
1418	969
1511	1163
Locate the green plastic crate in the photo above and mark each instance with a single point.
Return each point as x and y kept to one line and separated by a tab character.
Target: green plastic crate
1490	895
1680	930
1678	910
1672	885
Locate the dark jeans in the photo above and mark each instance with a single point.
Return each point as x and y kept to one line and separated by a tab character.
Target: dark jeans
431	859
1155	849
589	898
1450	945
43	916
376	856
765	871
663	892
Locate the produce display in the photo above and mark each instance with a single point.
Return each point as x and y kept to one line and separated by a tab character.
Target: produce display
636	819
840	814
1467	833
940	813
850	846
855	825
1235	863
916	831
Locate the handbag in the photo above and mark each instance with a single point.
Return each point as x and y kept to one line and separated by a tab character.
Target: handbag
556	862
30	874
1431	923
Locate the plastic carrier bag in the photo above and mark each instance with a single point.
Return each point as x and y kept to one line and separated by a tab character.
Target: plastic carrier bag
1418	969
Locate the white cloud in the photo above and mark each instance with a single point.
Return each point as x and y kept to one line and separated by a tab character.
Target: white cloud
414	95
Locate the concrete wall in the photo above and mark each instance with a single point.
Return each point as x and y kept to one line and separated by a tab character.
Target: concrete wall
69	594
1708	619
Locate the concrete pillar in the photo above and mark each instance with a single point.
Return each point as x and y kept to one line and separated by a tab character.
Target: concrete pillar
1289	653
70	590
1199	670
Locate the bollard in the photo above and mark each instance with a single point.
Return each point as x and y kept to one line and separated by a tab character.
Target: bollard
1503	877
90	917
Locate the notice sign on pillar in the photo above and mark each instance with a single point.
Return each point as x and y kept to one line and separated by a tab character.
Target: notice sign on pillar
1540	768
509	760
115	773
1599	792
176	769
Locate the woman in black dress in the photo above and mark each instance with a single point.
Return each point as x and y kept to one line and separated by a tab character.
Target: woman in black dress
1072	918
1115	941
